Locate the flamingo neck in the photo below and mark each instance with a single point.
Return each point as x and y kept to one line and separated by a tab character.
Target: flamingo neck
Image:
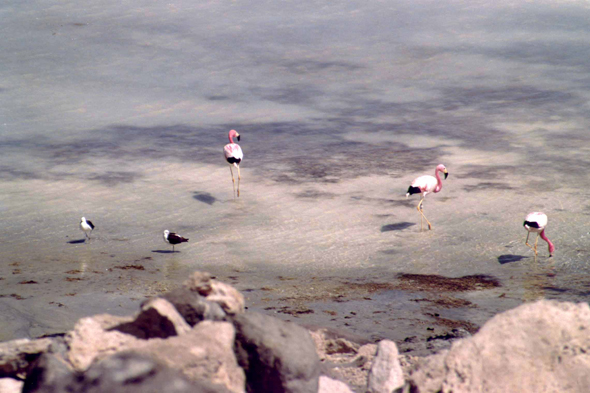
230	139
438	181
544	237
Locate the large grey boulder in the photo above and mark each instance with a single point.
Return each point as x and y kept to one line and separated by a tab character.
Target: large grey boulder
47	371
539	347
126	372
277	356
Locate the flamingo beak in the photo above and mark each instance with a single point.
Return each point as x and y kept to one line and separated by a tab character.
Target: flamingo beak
446	173
238	135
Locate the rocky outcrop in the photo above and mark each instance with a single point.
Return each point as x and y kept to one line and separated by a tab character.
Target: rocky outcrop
537	347
199	338
183	341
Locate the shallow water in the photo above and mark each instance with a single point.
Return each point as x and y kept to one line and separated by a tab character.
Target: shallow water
118	112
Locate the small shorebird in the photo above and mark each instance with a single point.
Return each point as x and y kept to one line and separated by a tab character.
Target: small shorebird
233	156
536	222
86	226
425	185
173	238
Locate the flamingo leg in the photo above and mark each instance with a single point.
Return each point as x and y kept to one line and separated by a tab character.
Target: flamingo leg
419	208
233	180
422	216
530	246
428	222
536	241
239	181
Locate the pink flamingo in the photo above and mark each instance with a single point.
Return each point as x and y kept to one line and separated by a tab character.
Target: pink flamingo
425	185
233	156
536	222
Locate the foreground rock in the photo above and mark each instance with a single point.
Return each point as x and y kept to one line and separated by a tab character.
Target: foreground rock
199	339
226	296
126	372
386	372
202	354
538	347
277	356
17	356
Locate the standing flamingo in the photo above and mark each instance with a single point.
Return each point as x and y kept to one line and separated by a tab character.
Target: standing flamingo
536	222
425	185
233	156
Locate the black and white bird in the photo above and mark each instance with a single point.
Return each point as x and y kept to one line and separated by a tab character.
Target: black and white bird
173	238
86	226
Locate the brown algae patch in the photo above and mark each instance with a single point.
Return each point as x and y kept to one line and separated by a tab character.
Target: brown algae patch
433	282
130	267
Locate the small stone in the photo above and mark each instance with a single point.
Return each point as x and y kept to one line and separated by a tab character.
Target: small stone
386	374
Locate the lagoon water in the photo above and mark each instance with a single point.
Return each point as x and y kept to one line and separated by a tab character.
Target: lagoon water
118	111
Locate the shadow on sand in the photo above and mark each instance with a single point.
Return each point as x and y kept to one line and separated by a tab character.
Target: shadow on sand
204	197
508	258
165	251
77	241
397	226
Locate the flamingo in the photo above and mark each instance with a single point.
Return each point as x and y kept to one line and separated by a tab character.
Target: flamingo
536	222
425	185
86	226
173	238
233	156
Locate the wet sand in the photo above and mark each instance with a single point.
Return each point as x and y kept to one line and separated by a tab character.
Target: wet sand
119	114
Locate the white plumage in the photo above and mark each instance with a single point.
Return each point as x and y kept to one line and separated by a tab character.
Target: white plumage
233	155
86	226
425	185
536	222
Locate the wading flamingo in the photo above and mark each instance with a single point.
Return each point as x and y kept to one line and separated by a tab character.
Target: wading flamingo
536	222
233	156
173	238
86	226
425	185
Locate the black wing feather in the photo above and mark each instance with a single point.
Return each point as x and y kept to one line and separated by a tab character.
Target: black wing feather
532	224
414	190
173	238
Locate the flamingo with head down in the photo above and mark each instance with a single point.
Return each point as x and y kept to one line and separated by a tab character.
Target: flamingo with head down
425	185
536	222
